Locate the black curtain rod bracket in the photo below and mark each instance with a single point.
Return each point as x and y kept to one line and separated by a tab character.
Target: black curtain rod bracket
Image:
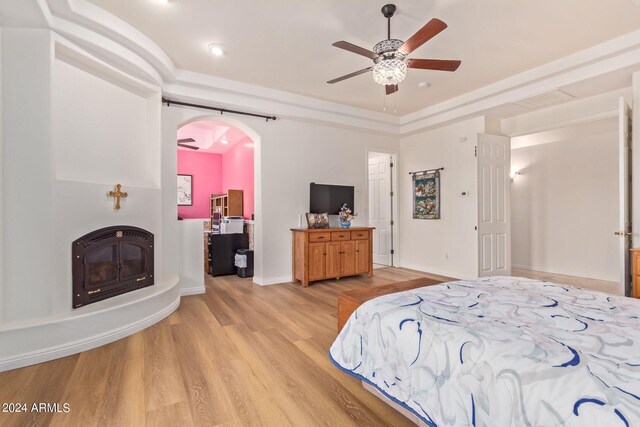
428	170
222	110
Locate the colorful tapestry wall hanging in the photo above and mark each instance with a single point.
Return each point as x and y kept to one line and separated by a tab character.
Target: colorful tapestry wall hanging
426	194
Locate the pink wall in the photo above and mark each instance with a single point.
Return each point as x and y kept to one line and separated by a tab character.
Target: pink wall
206	169
237	172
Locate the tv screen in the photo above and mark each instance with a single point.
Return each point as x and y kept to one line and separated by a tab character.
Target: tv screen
330	198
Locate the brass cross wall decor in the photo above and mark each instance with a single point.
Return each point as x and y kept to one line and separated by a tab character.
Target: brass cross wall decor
117	195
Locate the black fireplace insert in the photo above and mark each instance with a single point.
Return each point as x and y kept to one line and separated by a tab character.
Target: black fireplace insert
111	261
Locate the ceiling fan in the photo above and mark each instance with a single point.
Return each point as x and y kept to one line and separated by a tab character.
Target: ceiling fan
390	56
183	143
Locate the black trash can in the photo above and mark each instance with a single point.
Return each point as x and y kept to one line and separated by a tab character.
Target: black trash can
244	262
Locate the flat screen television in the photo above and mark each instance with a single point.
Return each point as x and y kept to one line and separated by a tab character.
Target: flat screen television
330	198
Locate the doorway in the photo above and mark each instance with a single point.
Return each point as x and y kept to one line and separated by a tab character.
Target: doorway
381	191
215	166
565	205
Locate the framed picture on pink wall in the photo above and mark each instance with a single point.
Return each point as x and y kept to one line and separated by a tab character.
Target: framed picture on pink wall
185	190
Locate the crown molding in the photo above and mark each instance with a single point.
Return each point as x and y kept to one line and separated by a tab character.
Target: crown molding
118	43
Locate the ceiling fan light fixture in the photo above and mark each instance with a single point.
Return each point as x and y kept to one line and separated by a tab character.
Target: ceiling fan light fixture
215	49
390	71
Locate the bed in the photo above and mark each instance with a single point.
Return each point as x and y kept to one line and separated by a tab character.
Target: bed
499	351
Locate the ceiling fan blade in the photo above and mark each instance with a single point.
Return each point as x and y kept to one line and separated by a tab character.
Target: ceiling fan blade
389	89
434	64
186	140
430	30
355	49
190	147
348	76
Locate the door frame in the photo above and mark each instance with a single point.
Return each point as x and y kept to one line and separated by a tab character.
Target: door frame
395	228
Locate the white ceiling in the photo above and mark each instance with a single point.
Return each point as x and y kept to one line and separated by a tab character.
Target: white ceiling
212	137
286	45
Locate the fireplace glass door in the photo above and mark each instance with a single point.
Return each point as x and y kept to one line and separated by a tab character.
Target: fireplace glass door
102	266
132	257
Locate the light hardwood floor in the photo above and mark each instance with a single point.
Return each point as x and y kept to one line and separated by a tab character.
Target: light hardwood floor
241	354
580	282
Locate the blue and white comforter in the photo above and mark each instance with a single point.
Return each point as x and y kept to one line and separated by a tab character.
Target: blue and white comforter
500	351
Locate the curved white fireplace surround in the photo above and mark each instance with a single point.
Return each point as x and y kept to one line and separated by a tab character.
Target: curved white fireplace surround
81	112
39	340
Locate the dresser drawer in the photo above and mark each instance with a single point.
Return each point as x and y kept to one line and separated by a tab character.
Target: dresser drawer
359	235
338	236
319	237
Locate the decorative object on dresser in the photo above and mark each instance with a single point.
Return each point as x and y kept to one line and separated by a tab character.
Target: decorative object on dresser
229	204
317	220
635	269
185	190
330	253
346	216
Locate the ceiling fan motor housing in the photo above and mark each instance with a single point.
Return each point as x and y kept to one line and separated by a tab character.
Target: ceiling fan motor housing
388	47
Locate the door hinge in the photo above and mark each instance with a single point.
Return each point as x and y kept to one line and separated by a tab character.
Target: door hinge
475	151
392	252
391	194
391	222
475	228
391	164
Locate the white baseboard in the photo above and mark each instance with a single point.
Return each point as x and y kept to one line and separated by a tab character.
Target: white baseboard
271	281
438	271
191	287
524	267
194	290
565	273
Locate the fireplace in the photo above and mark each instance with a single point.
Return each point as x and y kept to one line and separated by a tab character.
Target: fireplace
111	261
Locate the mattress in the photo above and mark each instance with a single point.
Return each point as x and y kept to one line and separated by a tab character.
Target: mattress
499	351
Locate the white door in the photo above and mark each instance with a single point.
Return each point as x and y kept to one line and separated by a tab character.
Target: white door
624	231
494	189
380	207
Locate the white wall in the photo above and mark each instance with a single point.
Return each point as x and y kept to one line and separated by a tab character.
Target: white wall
104	144
27	173
446	246
564	207
295	154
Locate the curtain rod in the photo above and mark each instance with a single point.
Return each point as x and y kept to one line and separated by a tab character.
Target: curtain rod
428	170
222	110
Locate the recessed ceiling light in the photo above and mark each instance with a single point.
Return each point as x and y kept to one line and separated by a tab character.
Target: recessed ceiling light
216	50
424	85
224	141
162	1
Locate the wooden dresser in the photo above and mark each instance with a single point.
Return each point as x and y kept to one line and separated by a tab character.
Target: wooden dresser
635	272
328	253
